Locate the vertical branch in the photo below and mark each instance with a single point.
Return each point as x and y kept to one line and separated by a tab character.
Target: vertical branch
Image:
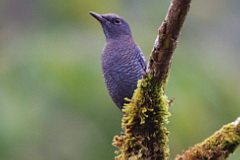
166	41
145	136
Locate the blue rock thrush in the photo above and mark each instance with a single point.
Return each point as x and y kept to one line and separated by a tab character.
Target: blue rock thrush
123	62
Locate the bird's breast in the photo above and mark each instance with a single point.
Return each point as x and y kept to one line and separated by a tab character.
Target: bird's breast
121	65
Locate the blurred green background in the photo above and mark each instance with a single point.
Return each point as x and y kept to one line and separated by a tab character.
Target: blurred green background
53	101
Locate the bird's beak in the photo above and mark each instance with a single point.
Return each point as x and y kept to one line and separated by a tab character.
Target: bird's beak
99	17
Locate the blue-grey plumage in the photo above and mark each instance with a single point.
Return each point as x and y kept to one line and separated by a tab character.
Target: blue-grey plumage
123	62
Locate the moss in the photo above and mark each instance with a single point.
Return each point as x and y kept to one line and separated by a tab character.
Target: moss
218	146
143	123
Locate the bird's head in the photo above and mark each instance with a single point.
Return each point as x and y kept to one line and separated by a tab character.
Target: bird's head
113	25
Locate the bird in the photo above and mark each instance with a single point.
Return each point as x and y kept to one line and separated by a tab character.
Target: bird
123	62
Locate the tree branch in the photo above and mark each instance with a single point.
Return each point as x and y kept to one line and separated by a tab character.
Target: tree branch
216	147
145	136
166	41
144	117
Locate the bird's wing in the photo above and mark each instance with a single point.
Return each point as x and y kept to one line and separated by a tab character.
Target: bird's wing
141	59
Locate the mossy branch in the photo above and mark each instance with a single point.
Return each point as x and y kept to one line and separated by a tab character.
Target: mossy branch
216	147
145	136
143	122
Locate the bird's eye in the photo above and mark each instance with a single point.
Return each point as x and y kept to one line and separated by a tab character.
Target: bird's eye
117	21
